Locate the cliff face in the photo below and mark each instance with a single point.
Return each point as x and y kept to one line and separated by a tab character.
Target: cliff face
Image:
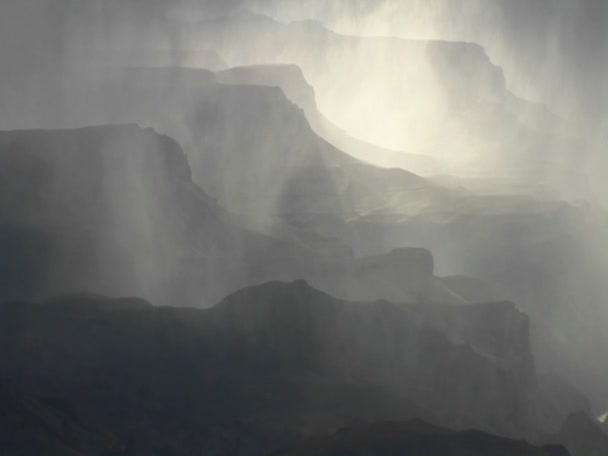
110	210
582	435
415	438
542	254
274	139
402	275
276	166
486	116
33	425
288	77
414	268
114	209
407	350
516	34
434	75
496	330
265	367
292	81
250	147
253	150
283	356
443	105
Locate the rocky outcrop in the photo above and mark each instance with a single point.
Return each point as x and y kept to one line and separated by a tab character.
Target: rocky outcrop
179	380
416	438
272	355
566	399
402	275
495	330
281	166
581	434
412	267
403	348
33	425
114	210
283	360
110	210
459	116
525	246
292	81
289	78
443	74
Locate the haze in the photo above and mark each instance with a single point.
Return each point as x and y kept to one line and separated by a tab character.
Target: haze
272	165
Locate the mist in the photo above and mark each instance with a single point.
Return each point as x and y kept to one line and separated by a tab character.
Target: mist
553	96
419	184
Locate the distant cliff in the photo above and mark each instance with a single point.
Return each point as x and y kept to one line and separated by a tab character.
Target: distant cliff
110	210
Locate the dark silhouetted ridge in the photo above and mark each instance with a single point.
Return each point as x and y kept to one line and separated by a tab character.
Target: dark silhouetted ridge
416	439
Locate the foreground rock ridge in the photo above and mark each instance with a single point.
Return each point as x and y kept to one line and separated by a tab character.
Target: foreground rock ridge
263	363
416	438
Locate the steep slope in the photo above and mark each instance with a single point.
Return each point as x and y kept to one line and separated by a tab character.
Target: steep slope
289	78
436	73
544	256
521	126
444	100
582	435
283	357
113	210
517	35
31	425
110	210
416	438
402	349
518	243
292	81
295	172
285	180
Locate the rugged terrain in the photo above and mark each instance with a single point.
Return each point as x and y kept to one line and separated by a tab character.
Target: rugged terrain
271	363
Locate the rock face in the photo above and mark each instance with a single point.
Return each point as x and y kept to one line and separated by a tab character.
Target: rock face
289	78
566	400
459	116
33	425
249	147
113	210
416	438
109	210
320	196
520	48
405	349
582	435
545	255
413	267
402	275
286	357
457	120
438	75
291	176
293	83
496	330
